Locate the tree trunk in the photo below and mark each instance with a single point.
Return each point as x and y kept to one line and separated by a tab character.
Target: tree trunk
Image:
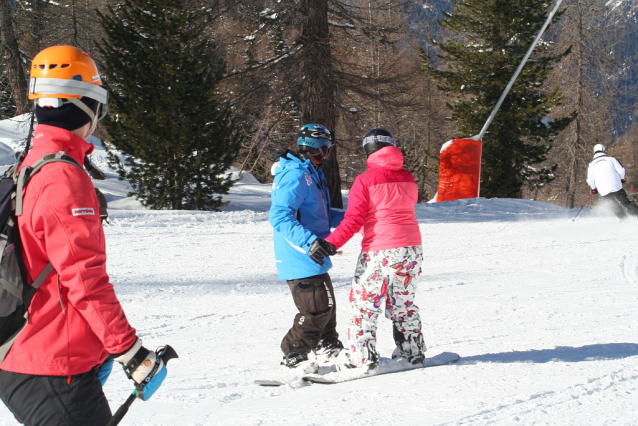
579	143
318	91
16	71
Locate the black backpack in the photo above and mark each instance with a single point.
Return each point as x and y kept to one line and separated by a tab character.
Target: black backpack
15	293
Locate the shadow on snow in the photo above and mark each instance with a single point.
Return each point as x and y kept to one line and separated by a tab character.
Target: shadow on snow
606	351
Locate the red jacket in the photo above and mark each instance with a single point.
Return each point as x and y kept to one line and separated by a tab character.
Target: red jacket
75	319
381	201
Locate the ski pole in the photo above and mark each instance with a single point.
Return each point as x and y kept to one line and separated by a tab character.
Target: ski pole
166	353
629	186
30	135
119	414
586	202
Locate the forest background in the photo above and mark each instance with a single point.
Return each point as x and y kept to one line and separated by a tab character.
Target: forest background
354	65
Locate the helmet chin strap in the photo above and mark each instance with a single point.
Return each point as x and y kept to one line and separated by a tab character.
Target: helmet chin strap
94	118
93	124
91	129
78	103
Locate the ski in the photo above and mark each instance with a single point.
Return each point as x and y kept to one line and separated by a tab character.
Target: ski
386	366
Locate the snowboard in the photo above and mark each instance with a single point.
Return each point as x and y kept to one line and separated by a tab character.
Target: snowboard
386	366
292	376
274	383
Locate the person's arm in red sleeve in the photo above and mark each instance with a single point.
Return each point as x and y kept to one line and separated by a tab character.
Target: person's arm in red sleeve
355	216
67	215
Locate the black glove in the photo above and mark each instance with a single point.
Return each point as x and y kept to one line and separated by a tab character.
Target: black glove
622	180
320	249
594	191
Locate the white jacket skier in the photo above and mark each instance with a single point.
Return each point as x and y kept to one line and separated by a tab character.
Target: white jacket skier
605	173
605	176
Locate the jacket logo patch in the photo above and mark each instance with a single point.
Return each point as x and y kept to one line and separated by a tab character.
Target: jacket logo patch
308	179
83	211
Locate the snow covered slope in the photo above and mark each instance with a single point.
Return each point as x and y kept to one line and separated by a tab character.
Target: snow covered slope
542	310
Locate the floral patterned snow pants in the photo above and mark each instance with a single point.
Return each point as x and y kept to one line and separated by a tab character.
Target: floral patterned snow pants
385	280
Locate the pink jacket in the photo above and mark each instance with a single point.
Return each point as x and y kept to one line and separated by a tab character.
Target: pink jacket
382	202
75	319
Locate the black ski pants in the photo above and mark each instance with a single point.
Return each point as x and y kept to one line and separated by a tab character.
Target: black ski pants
621	202
317	317
55	400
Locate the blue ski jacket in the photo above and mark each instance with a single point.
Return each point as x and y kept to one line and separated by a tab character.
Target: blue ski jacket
300	213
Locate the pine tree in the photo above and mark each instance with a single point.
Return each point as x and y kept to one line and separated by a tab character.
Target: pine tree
495	35
7	102
178	138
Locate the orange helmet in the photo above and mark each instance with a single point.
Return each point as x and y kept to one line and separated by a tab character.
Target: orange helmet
61	74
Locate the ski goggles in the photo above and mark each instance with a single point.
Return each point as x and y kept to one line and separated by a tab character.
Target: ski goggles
315	152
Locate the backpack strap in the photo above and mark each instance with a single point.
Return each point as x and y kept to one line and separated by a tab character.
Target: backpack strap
27	172
40	279
4	349
4	235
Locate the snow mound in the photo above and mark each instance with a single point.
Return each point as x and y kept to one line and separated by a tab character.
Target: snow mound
242	176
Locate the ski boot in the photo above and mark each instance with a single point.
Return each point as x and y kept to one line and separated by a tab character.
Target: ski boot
370	356
301	362
411	348
326	351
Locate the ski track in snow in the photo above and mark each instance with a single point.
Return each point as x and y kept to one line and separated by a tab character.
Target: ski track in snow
575	401
630	269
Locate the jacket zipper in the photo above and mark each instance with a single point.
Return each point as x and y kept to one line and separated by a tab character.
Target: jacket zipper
321	190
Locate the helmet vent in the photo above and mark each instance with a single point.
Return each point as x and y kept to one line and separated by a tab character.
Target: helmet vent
66	65
52	66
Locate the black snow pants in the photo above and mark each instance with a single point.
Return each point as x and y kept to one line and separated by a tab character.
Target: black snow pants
621	202
55	400
317	317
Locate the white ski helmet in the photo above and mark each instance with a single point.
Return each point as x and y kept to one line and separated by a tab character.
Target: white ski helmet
599	148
